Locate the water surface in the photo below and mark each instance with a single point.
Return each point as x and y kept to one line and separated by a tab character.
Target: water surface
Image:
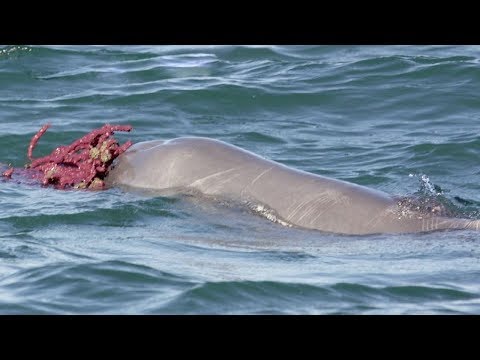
405	120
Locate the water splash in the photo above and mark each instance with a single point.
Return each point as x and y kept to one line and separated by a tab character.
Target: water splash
14	50
267	212
427	187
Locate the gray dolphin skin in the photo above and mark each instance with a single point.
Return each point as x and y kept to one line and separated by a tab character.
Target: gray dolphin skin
286	195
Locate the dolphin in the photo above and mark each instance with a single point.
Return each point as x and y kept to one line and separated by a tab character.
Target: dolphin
292	197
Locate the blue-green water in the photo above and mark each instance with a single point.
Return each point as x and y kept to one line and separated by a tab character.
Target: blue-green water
405	120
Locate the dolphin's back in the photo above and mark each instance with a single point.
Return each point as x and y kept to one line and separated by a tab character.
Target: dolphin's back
221	170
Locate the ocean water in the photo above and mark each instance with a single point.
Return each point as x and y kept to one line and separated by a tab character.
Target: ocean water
402	119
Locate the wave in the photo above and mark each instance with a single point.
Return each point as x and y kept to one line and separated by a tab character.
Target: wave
124	287
267	297
95	286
